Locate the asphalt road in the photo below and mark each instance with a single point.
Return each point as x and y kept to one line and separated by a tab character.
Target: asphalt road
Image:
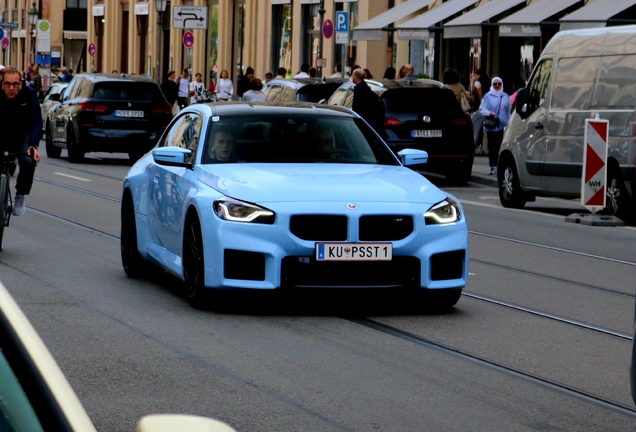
540	340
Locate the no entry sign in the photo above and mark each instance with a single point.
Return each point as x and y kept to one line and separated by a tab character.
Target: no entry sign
594	179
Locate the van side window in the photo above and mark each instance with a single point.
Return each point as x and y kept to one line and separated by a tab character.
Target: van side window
574	83
538	87
616	88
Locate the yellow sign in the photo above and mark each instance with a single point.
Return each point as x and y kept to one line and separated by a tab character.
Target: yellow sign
44	26
1	9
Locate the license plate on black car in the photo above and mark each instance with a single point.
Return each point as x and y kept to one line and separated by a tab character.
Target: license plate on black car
426	134
129	113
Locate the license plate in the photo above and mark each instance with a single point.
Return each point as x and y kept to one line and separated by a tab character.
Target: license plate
426	134
354	251
129	113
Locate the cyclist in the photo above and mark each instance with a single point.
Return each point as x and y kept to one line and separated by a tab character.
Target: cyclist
21	126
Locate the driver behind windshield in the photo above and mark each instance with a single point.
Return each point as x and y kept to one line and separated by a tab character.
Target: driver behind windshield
221	149
324	141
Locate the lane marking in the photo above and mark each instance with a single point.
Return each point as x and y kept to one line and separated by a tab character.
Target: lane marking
72	177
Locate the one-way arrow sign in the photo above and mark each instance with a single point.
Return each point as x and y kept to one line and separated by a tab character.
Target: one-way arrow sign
190	17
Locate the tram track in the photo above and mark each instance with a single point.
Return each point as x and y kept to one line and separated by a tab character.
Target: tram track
467	356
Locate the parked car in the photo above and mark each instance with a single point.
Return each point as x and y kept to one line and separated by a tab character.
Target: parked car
425	115
108	113
52	98
301	89
35	394
266	196
542	150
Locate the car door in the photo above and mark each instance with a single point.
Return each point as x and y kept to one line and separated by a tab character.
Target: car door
532	135
59	118
169	186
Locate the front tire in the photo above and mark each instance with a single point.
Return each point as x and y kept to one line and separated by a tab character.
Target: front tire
617	200
194	265
134	265
510	193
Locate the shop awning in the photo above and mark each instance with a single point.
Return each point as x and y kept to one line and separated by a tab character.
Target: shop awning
526	22
595	14
469	24
417	28
372	29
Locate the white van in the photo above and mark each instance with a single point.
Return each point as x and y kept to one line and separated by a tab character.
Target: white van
580	73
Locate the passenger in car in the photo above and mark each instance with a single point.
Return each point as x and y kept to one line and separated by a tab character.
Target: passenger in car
221	149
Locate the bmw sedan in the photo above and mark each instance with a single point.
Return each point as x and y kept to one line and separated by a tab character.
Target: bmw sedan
265	196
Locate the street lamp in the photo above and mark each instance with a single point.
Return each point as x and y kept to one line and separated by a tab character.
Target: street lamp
160	6
33	20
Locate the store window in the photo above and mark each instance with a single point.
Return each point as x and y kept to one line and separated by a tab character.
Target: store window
310	38
281	37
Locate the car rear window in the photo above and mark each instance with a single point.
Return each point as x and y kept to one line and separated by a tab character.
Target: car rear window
416	100
125	91
315	93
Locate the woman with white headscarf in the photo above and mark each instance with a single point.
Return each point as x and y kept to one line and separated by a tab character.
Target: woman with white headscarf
495	107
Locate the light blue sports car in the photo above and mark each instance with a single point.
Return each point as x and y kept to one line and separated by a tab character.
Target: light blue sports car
266	196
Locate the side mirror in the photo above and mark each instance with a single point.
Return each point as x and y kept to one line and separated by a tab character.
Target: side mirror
413	157
522	103
172	156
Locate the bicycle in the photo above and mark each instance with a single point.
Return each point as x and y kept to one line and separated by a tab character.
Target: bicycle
7	167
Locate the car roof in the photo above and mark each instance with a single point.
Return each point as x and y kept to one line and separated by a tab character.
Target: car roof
263	107
301	82
103	77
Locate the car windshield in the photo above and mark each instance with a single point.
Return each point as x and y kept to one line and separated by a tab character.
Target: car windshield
294	138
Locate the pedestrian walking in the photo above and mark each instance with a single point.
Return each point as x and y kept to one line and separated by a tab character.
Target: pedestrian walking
183	89
196	89
365	102
495	107
451	81
481	86
169	88
243	84
254	92
224	87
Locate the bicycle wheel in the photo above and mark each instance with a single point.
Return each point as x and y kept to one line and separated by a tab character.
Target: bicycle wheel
5	202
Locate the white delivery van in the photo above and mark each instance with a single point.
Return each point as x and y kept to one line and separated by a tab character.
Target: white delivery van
580	73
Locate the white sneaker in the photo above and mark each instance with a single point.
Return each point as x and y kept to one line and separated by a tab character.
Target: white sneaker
18	205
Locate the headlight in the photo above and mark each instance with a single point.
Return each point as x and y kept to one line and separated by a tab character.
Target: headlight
443	212
238	211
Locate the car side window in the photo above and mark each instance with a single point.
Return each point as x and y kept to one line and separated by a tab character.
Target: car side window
69	89
185	133
538	87
338	97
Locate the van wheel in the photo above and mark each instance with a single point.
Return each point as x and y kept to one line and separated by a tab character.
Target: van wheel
616	203
510	193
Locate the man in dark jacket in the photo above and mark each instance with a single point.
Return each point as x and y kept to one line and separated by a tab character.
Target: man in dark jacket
21	126
244	83
365	102
169	88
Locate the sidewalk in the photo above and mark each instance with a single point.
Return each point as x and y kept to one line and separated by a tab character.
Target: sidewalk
481	168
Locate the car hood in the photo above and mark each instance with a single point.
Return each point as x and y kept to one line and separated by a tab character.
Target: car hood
262	183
